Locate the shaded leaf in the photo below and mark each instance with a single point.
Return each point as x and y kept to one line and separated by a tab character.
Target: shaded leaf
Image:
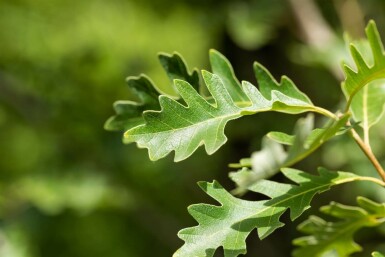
176	68
337	236
229	224
281	137
272	157
129	113
266	163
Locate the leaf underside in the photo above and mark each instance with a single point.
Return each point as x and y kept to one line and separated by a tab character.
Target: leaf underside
336	237
229	224
272	157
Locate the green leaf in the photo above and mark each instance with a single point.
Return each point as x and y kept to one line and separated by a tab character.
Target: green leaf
129	113
366	95
176	68
369	104
222	67
307	141
336	237
266	163
229	224
283	97
377	254
272	157
183	128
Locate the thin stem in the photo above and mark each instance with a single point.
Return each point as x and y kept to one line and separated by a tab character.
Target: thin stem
368	152
366	137
326	113
365	119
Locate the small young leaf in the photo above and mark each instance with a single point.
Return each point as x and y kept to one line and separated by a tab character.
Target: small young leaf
266	163
229	224
377	254
337	237
272	157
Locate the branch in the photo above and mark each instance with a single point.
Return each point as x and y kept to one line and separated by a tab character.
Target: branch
368	152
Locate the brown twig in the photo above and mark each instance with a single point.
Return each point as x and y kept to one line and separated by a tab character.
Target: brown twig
368	152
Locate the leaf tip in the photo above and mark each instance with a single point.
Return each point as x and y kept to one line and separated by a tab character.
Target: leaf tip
213	51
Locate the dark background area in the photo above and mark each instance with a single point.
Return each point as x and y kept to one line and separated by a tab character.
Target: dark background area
70	188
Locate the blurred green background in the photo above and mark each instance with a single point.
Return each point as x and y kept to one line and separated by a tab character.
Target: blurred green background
70	188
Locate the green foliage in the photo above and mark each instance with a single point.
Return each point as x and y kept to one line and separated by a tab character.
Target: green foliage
191	118
228	225
268	161
377	254
176	68
336	237
129	113
363	88
202	121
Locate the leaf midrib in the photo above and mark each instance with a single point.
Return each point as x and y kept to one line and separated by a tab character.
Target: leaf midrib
185	127
234	201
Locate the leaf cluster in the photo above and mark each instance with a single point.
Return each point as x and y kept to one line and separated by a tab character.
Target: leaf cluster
197	116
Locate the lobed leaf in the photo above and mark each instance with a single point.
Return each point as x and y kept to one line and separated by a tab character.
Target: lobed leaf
365	87
176	68
222	67
183	128
229	224
326	237
129	113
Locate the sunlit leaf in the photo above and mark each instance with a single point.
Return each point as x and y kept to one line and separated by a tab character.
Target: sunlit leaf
183	128
129	113
229	224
